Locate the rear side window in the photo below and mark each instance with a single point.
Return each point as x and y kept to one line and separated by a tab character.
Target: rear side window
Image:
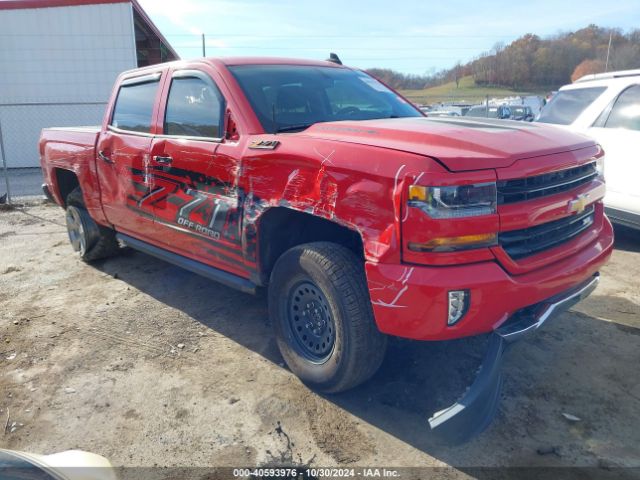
626	111
567	105
194	108
134	107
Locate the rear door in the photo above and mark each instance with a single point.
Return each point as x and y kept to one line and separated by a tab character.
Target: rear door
618	131
195	173
123	155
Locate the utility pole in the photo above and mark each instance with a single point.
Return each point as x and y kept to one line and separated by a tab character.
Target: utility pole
204	48
606	65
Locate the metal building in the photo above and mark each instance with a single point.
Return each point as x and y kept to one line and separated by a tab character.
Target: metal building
58	62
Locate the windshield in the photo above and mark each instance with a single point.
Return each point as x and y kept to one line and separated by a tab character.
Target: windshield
566	105
294	97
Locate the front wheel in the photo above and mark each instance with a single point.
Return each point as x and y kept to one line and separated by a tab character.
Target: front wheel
320	308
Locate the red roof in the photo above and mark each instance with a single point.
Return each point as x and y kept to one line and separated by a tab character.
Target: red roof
20	4
24	4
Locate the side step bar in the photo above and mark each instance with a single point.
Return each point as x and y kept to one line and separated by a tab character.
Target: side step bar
220	276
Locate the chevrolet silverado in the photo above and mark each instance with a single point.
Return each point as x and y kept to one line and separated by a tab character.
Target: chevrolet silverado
361	217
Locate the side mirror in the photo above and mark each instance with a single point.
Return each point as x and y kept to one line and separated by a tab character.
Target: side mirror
230	128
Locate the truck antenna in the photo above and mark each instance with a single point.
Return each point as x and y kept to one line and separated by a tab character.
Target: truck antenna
333	58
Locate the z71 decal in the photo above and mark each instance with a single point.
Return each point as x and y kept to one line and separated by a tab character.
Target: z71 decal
191	201
211	212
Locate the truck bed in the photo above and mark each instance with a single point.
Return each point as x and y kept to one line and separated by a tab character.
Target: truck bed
78	136
70	149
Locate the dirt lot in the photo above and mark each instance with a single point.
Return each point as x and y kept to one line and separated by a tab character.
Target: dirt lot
148	364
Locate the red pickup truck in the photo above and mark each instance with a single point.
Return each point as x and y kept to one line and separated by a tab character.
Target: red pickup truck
361	217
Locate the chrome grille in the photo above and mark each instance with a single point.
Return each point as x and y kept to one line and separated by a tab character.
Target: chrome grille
522	189
529	241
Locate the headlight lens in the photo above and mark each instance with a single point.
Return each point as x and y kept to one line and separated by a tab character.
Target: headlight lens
456	201
600	167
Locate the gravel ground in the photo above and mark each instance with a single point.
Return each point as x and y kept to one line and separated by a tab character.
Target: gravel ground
150	365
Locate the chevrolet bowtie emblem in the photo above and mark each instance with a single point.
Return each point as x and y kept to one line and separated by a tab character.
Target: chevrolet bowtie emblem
578	204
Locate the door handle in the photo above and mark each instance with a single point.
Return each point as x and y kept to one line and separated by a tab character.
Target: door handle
104	157
163	160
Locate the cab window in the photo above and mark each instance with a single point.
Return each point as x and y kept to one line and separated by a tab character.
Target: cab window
194	108
134	107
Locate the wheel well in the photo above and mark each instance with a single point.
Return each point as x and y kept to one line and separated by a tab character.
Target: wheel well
282	228
67	182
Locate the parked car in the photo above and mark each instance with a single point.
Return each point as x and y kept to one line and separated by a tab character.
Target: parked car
359	216
502	112
606	107
521	112
68	465
442	113
444	110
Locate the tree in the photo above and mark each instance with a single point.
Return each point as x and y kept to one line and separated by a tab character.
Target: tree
587	67
535	63
457	73
625	57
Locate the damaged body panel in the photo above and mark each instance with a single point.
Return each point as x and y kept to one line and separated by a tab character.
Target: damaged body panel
473	412
242	168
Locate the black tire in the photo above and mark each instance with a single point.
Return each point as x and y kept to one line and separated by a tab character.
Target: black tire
342	347
90	240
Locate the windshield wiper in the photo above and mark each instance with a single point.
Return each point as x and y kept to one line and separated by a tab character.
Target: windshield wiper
290	128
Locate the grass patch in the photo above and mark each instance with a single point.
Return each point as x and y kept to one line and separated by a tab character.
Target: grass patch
467	91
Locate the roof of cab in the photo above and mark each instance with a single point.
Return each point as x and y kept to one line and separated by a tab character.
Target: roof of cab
229	61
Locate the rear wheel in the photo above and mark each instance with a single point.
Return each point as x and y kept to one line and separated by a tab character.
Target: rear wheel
90	240
321	312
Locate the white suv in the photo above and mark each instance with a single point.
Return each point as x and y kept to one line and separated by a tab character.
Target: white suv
606	107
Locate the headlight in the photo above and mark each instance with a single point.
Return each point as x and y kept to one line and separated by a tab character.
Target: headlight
455	202
600	167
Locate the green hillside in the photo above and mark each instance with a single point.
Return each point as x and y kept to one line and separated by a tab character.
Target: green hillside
467	91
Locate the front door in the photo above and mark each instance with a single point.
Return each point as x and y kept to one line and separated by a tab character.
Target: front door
196	200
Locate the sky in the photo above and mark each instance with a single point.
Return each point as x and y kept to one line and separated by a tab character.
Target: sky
410	36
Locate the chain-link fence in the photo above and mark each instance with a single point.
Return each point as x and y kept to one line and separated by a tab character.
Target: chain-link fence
20	126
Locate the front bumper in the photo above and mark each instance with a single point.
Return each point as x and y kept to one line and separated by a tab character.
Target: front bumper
411	301
474	411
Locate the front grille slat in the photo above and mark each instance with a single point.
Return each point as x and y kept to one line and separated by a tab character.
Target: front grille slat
529	241
529	188
545	228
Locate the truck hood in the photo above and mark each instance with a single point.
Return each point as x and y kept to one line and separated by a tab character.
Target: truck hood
460	144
